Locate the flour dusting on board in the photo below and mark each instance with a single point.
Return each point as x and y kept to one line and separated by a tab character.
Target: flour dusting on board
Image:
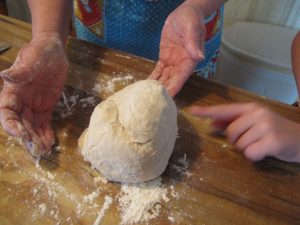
181	166
45	182
137	203
107	202
68	104
140	202
111	86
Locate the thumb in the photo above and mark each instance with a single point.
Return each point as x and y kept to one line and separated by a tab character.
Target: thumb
194	42
16	75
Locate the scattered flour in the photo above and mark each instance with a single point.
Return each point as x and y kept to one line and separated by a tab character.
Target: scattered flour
182	166
171	219
140	202
123	56
46	183
10	143
50	175
137	203
100	179
107	202
110	86
57	148
37	161
34	191
42	207
224	146
173	193
91	197
88	101
66	106
69	103
184	162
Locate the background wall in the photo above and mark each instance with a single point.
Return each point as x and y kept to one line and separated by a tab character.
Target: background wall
279	12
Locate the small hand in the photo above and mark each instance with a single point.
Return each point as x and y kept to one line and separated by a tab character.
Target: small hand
181	47
255	130
32	86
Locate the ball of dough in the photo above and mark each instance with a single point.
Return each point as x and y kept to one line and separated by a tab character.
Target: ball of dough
132	133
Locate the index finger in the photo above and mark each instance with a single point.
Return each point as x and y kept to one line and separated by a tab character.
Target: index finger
221	112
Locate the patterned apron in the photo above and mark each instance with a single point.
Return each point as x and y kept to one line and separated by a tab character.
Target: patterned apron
134	26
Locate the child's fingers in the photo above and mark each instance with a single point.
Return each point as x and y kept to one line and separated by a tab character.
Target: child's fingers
258	150
222	112
241	125
251	136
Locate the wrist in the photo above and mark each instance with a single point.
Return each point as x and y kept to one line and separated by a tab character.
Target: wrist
196	7
207	7
48	36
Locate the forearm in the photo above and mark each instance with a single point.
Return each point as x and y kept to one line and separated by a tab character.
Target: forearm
296	60
50	17
208	6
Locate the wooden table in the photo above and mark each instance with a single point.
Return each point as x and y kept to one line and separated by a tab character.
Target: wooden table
219	186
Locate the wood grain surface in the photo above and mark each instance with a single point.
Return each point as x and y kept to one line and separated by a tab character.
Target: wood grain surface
215	185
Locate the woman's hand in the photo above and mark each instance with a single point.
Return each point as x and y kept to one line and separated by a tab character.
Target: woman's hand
32	86
181	47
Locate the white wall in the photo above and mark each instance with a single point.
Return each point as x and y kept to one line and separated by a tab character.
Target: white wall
279	12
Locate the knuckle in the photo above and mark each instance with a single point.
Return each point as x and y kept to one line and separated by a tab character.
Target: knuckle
241	144
266	126
264	112
230	133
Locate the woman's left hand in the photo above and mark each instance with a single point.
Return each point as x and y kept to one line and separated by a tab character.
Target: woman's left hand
181	47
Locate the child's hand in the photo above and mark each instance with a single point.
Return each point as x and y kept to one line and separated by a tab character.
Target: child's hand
255	130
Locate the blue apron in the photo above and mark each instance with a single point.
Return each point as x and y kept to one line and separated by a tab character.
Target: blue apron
134	26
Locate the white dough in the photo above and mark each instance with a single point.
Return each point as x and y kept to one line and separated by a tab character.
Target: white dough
132	133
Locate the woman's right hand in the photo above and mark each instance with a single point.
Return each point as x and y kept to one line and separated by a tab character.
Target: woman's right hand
32	86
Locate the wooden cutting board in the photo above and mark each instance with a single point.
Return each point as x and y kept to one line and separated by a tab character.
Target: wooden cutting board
207	181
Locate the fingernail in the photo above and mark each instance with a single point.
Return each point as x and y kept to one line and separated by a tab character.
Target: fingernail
201	55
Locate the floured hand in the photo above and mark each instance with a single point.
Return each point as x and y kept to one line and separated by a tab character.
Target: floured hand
32	86
181	47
